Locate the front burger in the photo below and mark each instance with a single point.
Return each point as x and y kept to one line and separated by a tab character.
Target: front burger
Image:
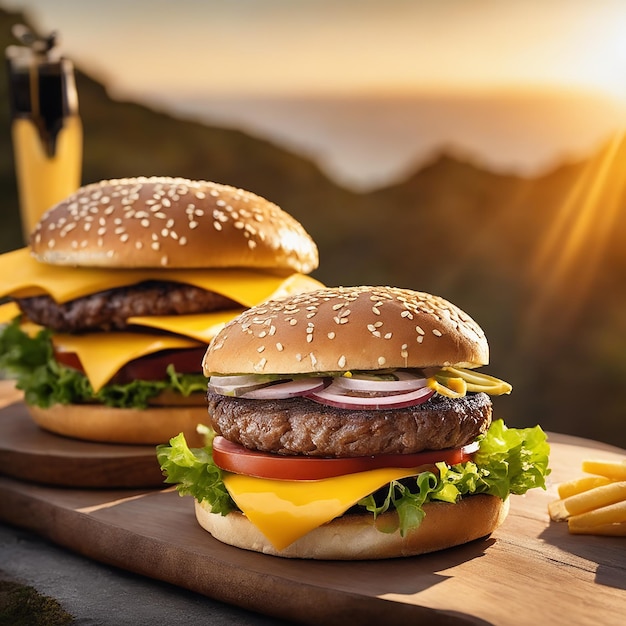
123	286
351	423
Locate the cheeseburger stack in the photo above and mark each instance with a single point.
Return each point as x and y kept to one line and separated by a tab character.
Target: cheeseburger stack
350	424
121	289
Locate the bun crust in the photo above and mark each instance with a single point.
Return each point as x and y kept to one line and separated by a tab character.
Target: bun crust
172	223
347	328
99	423
355	537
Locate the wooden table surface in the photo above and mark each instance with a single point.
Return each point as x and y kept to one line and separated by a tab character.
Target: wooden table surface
530	571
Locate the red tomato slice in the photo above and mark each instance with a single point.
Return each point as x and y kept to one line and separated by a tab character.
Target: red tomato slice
149	367
233	457
69	359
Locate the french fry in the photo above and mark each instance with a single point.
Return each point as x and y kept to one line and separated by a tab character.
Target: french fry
578	485
595	504
615	470
603	516
557	511
592	499
608	530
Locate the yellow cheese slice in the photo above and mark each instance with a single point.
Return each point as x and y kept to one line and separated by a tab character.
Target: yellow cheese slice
8	311
103	354
24	276
201	326
285	510
204	326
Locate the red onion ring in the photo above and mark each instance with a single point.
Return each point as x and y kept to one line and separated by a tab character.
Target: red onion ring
287	389
337	397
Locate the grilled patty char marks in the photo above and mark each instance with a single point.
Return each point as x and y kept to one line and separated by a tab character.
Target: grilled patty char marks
298	426
109	310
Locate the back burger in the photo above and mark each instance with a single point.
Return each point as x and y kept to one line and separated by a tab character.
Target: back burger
123	286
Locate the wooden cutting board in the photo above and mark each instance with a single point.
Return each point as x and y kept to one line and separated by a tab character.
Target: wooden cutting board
30	453
530	571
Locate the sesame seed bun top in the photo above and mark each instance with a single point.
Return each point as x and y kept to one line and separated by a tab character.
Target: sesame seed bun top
347	328
172	223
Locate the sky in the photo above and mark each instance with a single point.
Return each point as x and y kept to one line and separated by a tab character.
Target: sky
213	52
244	46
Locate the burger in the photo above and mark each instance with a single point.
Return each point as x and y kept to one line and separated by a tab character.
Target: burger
351	423
124	284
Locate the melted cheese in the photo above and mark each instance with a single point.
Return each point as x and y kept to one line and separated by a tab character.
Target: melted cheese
201	326
24	276
103	354
8	311
285	510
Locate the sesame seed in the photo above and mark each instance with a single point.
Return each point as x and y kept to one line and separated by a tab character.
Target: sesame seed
331	335
437	333
342	361
279	347
381	360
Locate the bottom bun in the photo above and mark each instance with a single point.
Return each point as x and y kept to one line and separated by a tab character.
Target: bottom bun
99	423
356	537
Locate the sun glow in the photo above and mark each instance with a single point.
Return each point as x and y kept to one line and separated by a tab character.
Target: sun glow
568	257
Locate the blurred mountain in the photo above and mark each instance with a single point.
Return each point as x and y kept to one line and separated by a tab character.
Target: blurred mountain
539	262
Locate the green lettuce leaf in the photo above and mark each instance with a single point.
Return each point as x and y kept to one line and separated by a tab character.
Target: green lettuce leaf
508	461
194	473
45	382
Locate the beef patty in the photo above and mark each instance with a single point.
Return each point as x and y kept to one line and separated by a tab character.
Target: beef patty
300	426
110	309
